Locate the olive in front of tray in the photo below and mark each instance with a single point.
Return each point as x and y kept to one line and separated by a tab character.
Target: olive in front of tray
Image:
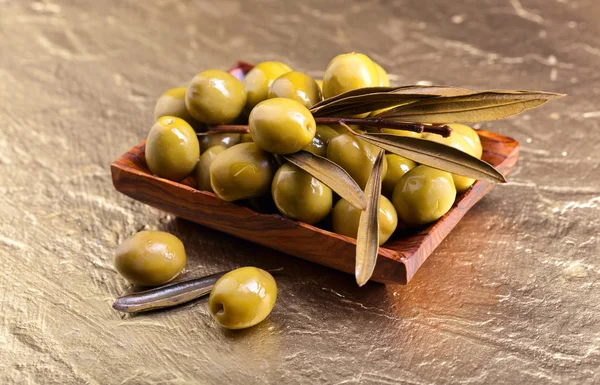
172	148
281	126
299	195
243	298
215	97
423	195
243	171
150	258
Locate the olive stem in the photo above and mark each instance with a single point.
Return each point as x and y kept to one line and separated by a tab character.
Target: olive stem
383	123
378	123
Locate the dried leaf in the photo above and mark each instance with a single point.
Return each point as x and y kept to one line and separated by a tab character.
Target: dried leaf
367	239
435	155
331	175
475	107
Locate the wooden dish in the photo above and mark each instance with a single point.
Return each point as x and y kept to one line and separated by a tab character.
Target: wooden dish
399	258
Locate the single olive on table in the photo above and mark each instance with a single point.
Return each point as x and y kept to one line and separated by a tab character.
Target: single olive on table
150	258
299	195
243	298
172	148
215	97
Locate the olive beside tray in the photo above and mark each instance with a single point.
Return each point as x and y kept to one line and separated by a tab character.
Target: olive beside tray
399	258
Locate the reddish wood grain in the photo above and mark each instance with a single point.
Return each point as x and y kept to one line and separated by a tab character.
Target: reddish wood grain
399	259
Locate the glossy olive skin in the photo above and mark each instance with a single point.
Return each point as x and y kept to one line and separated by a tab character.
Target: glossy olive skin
172	103
243	298
281	126
259	79
355	156
172	148
324	134
457	141
299	195
320	84
296	86
150	258
423	195
345	219
384	81
203	168
397	167
225	140
245	138
470	135
215	97
241	172
347	72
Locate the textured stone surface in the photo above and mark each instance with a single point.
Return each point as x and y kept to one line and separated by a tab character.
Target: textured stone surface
511	296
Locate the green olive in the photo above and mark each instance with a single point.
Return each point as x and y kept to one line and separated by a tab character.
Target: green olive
384	81
423	195
172	148
456	140
299	195
259	79
203	168
397	167
347	72
355	156
345	218
243	297
215	97
281	126
150	258
324	134
241	172
471	136
320	84
225	140
296	86
172	103
245	138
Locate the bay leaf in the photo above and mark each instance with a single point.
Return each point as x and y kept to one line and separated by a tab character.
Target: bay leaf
332	175
367	239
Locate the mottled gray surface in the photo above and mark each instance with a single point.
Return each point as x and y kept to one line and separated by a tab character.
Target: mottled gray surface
512	295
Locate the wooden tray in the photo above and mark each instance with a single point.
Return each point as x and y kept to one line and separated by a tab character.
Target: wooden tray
399	259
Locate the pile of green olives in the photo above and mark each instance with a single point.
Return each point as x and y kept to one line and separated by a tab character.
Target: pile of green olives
274	102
